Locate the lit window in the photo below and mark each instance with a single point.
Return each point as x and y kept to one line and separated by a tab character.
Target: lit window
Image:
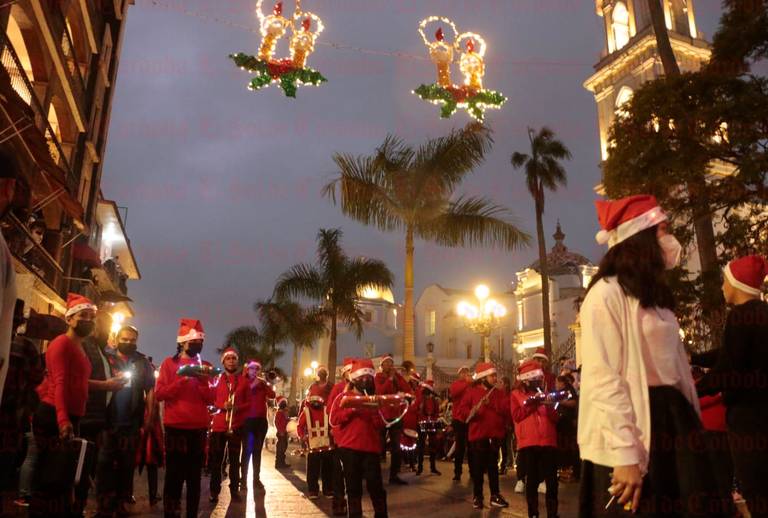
625	94
431	322
620	21
520	321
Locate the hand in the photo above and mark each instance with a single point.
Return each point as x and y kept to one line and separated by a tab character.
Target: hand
627	484
116	383
66	432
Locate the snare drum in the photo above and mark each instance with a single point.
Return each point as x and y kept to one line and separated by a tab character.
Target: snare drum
431	426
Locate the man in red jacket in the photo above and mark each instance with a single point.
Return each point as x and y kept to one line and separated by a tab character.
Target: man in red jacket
356	431
487	411
428	406
313	426
186	419
281	427
255	422
339	490
227	429
535	428
457	390
388	381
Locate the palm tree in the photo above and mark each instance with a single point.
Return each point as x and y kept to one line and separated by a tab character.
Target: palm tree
304	326
252	345
543	171
335	282
411	190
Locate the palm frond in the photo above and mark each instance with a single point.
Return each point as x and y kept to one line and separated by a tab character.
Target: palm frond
364	272
329	253
519	159
301	280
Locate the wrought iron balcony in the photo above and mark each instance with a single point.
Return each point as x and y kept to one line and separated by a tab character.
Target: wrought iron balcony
33	256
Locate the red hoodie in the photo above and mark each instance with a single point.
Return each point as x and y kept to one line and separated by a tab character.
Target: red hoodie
281	422
386	385
65	385
258	396
490	420
337	389
238	384
457	390
356	428
534	424
186	398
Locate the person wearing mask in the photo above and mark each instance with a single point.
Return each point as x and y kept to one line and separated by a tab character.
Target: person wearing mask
227	428
458	421
151	454
321	386
357	432
636	382
339	489
487	411
186	419
428	407
259	392
388	381
281	431
63	395
549	377
313	428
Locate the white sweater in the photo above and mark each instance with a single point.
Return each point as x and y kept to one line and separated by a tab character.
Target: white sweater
614	410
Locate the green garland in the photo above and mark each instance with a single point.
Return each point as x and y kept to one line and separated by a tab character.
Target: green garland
287	77
475	104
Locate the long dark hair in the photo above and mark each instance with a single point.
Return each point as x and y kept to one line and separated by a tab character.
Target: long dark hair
638	265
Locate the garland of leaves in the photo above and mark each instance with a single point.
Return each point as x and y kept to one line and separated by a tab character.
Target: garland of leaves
474	101
282	72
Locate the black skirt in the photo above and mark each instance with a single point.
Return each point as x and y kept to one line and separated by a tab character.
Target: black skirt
680	479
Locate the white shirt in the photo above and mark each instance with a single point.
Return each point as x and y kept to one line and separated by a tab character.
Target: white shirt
7	303
661	347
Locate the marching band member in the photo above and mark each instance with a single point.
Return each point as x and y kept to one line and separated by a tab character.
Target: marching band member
339	491
356	432
186	419
458	421
321	386
313	426
259	391
428	405
227	429
409	438
536	436
487	411
281	425
388	381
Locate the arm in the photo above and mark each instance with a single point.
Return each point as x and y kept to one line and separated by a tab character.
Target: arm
457	391
402	385
465	405
518	411
342	416
383	384
56	360
301	428
168	388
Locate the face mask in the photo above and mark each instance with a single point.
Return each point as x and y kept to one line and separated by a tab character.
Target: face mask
193	349
671	250
84	327
364	385
487	383
126	348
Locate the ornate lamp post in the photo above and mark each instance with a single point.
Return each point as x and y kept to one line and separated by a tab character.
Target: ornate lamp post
482	316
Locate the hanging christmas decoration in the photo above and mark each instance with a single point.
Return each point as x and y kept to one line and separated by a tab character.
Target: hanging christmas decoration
471	95
292	72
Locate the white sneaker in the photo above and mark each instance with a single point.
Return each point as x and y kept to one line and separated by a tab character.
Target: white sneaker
542	488
520	486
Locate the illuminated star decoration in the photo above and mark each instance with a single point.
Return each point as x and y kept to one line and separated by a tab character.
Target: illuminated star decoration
291	72
471	95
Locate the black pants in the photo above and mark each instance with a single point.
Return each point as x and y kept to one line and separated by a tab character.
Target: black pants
505	452
184	455
320	467
280	449
253	442
484	460
220	443
93	432
152	482
720	458
114	467
394	448
748	438
540	466
424	439
359	466
460	438
339	488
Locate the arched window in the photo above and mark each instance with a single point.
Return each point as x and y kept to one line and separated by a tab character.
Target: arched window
625	94
620	24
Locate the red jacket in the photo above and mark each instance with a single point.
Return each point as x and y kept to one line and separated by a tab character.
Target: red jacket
428	407
386	385
411	417
534	424
713	413
65	385
313	424
258	396
186	398
281	422
490	420
457	390
356	429
337	389
239	385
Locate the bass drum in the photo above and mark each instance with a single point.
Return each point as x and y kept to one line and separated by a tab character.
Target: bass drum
431	425
292	428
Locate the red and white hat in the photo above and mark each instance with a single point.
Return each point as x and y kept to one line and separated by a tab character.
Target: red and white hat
190	329
315	398
622	219
253	364
348	361
747	273
361	367
229	351
280	399
415	375
529	369
484	369
462	368
540	353
384	358
429	384
77	303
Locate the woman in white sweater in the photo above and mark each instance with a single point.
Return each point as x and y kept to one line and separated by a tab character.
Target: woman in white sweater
639	426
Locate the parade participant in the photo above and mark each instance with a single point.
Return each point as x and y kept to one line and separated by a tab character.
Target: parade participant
151	454
356	431
388	381
281	426
487	411
227	428
428	405
536	437
567	413
339	490
506	446
741	375
63	395
259	391
639	426
186	419
409	437
321	386
313	427
457	390
549	377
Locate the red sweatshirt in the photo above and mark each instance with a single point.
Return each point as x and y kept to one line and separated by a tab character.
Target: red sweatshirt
186	398
428	406
238	384
457	390
490	420
356	429
65	385
258	396
534	424
386	385
337	389
281	422
713	413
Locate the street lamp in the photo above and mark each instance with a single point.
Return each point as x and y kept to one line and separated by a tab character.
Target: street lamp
482	316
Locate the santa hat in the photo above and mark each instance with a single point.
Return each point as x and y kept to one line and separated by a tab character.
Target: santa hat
462	369
252	364
484	369
348	361
229	351
622	219
361	367
77	303
415	375
429	384
190	329
541	353
529	369
747	273
384	358
280	399
315	398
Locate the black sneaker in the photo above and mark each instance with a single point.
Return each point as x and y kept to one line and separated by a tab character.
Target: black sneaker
477	503
498	501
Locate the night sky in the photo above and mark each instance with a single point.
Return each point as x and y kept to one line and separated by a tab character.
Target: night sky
223	185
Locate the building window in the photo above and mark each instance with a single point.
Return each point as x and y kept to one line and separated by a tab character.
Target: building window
625	94
469	350
520	320
431	323
620	23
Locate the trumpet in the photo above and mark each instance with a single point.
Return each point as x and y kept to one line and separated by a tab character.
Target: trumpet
483	401
230	409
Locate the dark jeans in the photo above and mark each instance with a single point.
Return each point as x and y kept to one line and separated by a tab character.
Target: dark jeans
339	489
280	449
394	448
541	466
359	466
94	433
114	467
184	456
460	438
152	482
432	449
748	438
505	447
221	442
484	459
320	467
253	442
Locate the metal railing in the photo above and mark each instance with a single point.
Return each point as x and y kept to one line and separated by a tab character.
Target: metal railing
32	255
71	56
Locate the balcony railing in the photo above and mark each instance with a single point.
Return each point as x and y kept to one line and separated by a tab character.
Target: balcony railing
71	56
32	255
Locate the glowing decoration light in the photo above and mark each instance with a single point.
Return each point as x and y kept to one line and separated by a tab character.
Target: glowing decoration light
273	28
308	372
471	96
